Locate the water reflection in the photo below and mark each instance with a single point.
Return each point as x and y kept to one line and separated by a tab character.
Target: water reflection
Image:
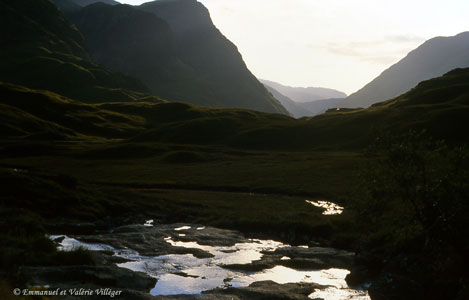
69	244
182	228
330	207
240	253
281	275
340	294
186	274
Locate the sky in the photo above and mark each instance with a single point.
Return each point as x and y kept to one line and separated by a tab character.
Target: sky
339	44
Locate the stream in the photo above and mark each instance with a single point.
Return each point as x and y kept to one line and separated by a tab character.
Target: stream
224	266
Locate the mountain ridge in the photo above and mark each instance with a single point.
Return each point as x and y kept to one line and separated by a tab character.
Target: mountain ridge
433	58
304	94
42	50
195	63
296	109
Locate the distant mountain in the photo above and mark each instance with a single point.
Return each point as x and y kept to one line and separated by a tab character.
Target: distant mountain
296	109
174	48
302	108
433	58
321	106
41	50
301	94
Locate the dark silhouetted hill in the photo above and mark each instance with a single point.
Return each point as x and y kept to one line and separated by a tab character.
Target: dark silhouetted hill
174	48
68	6
200	45
433	58
41	50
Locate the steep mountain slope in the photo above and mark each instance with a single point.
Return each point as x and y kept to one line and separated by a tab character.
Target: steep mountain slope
296	109
432	59
88	2
301	94
40	49
137	43
67	5
191	61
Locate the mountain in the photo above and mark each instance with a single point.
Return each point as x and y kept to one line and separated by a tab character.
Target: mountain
133	42
174	48
433	58
439	106
302	105
41	50
321	106
296	109
226	81
301	94
68	6
84	3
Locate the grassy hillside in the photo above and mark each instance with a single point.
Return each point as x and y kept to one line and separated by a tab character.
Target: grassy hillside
439	106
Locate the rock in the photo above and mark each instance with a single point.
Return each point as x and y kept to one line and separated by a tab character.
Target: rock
300	258
151	241
269	290
88	276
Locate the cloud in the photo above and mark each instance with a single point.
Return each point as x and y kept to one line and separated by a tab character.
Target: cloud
382	60
383	51
228	10
405	38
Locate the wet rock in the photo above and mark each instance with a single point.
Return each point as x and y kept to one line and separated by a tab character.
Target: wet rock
263	290
151	241
88	277
300	258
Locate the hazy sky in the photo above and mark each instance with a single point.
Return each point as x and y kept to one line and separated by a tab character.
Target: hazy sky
341	44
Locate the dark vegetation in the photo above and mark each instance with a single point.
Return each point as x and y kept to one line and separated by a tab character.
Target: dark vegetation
412	211
184	163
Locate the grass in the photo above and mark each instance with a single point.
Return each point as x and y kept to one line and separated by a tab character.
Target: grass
196	167
260	193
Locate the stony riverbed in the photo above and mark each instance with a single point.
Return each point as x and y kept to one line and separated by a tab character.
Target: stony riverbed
188	261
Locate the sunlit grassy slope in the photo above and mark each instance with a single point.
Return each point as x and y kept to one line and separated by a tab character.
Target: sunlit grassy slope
439	106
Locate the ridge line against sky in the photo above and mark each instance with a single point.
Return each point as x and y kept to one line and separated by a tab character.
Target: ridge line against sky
339	44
